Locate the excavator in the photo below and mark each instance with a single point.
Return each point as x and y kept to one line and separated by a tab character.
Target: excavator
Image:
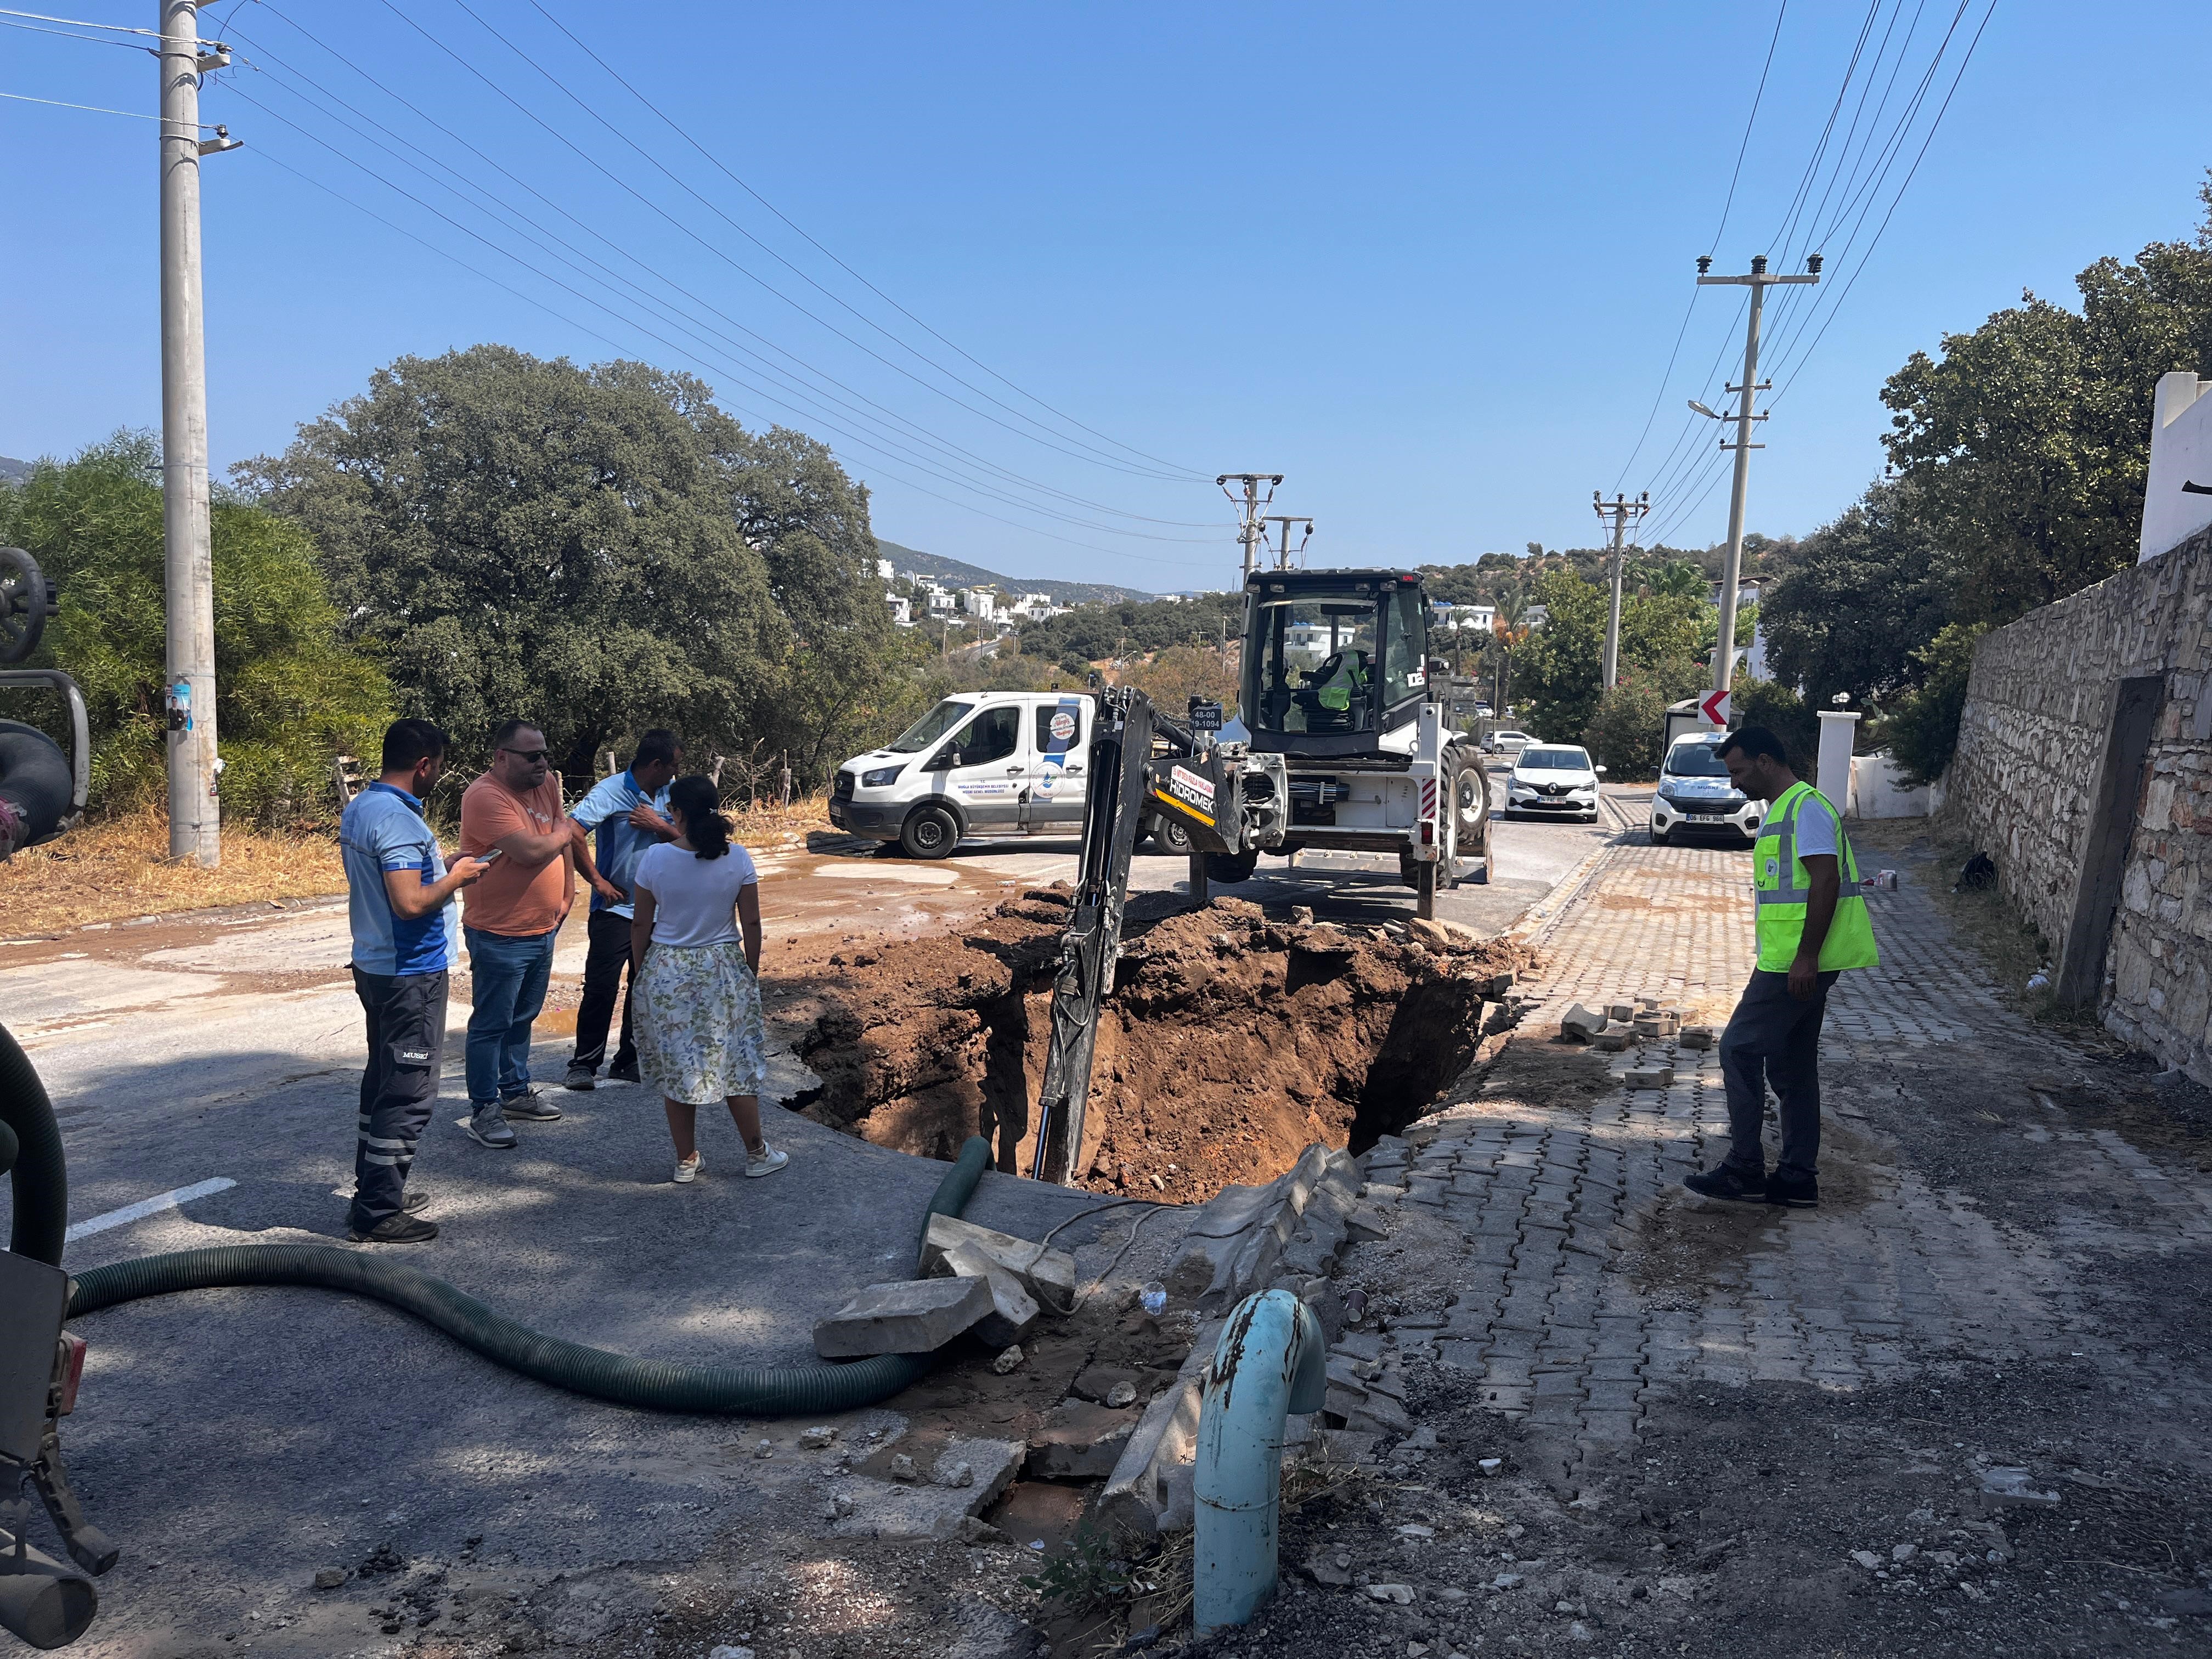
1349	749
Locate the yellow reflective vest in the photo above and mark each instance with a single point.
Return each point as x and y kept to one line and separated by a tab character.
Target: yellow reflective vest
1782	887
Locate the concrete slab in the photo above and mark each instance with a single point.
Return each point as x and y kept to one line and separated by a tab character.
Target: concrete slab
913	1316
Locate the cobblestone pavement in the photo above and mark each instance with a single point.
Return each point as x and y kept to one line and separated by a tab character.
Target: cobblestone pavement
1974	1225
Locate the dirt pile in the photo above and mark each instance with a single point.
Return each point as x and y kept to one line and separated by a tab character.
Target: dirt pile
1230	1042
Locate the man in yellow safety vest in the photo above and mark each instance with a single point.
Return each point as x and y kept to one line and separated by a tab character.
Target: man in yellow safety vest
1813	924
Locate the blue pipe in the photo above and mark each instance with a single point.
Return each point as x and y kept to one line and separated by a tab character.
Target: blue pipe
1271	1361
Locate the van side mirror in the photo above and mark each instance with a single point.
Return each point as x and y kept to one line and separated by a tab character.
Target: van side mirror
1601	771
942	761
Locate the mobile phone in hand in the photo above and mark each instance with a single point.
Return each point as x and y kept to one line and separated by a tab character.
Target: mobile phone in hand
491	855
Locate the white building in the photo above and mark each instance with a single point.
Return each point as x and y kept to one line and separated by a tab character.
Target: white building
883	570
902	609
980	603
2177	493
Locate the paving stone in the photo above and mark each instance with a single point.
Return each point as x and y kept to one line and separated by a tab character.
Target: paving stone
913	1316
1047	1274
1014	1311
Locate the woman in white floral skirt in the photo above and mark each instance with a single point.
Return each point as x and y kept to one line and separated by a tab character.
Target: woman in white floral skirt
695	949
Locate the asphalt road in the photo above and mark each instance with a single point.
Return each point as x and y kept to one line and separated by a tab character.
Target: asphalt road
236	1441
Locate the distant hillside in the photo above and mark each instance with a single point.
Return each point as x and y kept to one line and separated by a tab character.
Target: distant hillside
14	471
974	576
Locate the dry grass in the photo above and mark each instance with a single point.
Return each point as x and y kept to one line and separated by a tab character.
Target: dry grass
118	867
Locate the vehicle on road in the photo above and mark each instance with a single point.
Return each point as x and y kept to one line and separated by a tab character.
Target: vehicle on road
1553	779
1686	719
1695	797
1509	743
980	765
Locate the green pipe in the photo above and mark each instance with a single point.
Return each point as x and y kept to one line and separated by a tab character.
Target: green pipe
648	1384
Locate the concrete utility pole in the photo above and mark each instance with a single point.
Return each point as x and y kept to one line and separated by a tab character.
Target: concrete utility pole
1251	535
194	817
1758	281
1283	555
1619	510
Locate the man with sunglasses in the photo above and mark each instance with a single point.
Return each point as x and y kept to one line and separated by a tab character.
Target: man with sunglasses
512	815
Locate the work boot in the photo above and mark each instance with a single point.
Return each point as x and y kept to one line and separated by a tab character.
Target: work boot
1799	1192
396	1230
529	1106
622	1072
487	1126
581	1078
1740	1186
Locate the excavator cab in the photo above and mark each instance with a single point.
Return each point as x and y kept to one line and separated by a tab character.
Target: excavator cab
1335	660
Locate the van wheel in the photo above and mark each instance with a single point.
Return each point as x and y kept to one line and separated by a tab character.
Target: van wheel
1169	837
931	832
1658	837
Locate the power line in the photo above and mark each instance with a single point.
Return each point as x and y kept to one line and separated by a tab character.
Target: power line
919	433
621	184
858	442
89	40
598	57
135	114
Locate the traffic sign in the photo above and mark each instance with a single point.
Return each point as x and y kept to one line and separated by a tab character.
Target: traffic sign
1716	706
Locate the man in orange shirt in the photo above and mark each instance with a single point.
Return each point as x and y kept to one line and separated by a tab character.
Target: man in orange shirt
512	815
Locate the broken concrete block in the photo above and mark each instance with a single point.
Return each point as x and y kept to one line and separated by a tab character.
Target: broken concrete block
1429	933
1080	1441
1580	1024
1363	1222
914	1315
1670	1022
1006	1360
1048	1275
1622	1012
1650	1077
1611	1040
1648	1025
816	1439
902	1469
1697	1036
950	1471
1013	1310
915	1507
2012	1488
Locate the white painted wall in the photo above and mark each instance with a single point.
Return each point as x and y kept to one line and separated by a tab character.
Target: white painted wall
2180	453
1878	792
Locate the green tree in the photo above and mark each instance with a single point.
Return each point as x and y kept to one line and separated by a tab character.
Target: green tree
2027	442
1562	667
1863	596
1923	729
289	697
600	549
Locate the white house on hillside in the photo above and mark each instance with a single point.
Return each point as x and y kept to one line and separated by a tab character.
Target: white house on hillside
2177	494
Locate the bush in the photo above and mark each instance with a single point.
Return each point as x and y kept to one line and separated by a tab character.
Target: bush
289	697
1782	712
1922	730
1624	735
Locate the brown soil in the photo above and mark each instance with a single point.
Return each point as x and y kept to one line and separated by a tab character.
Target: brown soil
1231	1041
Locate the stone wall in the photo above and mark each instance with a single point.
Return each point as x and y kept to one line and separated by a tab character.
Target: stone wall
2030	773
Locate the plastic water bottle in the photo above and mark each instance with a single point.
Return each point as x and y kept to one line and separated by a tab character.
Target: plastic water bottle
1153	1298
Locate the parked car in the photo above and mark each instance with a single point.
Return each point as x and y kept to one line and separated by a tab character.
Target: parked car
1695	797
1507	743
1553	779
981	765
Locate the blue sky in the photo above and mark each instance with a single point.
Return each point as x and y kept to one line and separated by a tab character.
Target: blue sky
1427	262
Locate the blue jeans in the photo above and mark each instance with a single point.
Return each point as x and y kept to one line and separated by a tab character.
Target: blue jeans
507	979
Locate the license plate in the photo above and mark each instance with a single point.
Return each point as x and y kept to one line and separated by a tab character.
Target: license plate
1708	817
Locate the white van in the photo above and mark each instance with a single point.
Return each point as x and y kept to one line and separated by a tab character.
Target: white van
1695	796
982	764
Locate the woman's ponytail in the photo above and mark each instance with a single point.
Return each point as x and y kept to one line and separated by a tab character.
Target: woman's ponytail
704	826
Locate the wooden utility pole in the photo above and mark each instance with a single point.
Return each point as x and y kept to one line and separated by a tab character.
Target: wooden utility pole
1620	509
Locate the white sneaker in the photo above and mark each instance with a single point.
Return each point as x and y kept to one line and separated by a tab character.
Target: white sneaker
765	1162
689	1170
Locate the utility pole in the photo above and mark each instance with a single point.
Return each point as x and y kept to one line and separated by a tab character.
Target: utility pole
1758	280
1251	535
1619	511
195	815
1283	555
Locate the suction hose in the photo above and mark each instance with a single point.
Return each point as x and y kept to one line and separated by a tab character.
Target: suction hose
649	1384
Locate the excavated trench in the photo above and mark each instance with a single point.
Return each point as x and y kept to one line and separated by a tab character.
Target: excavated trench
1230	1042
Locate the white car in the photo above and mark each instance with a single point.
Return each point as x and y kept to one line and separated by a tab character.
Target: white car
1508	743
1553	779
980	765
1695	796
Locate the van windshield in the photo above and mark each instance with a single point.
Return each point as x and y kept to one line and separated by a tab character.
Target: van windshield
931	727
1695	760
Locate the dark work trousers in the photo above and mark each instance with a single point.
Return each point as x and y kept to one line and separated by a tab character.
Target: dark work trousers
1774	1038
406	1051
607	972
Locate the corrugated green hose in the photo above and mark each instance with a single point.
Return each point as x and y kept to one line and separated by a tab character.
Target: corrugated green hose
649	1384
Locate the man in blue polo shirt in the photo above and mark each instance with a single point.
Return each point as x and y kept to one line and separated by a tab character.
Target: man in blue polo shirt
626	813
403	915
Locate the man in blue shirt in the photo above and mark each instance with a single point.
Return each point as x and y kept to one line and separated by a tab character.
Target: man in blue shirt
625	814
403	915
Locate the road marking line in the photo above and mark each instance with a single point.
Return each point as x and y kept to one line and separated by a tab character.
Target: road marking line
146	1207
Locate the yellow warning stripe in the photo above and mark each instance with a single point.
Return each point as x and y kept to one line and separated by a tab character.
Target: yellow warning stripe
1183	806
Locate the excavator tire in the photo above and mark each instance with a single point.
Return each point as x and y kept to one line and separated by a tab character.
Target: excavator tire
1229	868
1169	837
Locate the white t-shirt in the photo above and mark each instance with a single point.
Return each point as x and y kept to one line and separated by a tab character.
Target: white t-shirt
694	900
1816	827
